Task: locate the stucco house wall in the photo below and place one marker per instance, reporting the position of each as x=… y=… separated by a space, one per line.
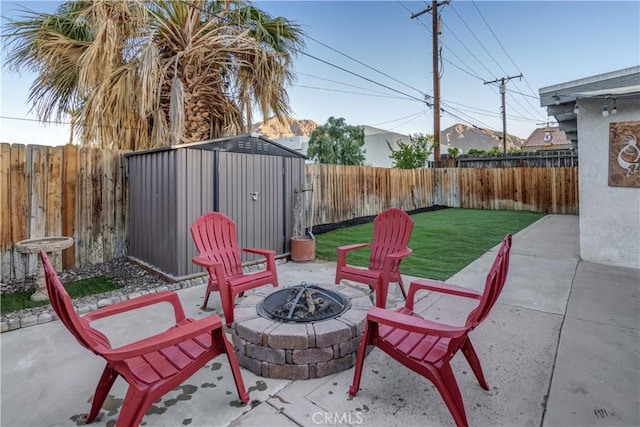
x=609 y=216
x=375 y=143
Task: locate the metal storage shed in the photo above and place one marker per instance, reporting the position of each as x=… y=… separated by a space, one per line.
x=249 y=178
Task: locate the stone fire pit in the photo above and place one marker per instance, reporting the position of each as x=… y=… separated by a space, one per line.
x=273 y=349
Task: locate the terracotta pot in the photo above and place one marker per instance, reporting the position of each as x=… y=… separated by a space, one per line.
x=303 y=249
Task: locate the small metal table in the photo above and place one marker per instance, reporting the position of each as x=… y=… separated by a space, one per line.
x=47 y=244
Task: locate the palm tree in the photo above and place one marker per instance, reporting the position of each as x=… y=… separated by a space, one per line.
x=146 y=74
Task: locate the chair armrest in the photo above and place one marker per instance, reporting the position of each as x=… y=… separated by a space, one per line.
x=203 y=261
x=413 y=323
x=215 y=269
x=396 y=256
x=441 y=287
x=342 y=253
x=139 y=302
x=264 y=252
x=172 y=336
x=390 y=259
x=348 y=248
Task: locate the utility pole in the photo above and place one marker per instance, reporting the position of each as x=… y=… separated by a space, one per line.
x=436 y=77
x=503 y=90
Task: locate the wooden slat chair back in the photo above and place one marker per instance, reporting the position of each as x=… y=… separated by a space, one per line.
x=426 y=347
x=392 y=230
x=152 y=366
x=215 y=237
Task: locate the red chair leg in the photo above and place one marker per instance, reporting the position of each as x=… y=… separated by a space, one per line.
x=206 y=299
x=404 y=292
x=132 y=409
x=227 y=299
x=233 y=362
x=445 y=382
x=382 y=289
x=362 y=350
x=107 y=379
x=470 y=353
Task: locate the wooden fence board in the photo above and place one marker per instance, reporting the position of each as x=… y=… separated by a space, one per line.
x=6 y=240
x=53 y=199
x=18 y=206
x=5 y=216
x=69 y=196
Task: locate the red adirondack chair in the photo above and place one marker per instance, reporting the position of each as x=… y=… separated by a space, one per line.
x=391 y=233
x=215 y=237
x=426 y=347
x=152 y=366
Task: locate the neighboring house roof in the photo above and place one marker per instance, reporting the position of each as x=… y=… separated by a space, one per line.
x=548 y=138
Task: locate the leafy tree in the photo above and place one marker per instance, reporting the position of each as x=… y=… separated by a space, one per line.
x=476 y=152
x=413 y=155
x=138 y=74
x=337 y=143
x=454 y=151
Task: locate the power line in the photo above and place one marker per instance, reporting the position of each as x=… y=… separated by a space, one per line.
x=408 y=121
x=364 y=78
x=355 y=93
x=475 y=75
x=342 y=83
x=398 y=119
x=524 y=108
x=477 y=39
x=368 y=66
x=508 y=56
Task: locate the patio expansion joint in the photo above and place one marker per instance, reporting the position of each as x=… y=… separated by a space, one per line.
x=559 y=337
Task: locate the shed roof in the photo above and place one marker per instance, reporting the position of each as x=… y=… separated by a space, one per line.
x=249 y=143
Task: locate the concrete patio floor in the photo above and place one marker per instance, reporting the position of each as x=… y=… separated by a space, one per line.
x=561 y=348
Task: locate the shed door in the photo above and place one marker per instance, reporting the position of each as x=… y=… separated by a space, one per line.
x=251 y=193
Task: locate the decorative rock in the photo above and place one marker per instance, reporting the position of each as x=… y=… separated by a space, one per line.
x=104 y=302
x=14 y=324
x=28 y=321
x=84 y=308
x=45 y=318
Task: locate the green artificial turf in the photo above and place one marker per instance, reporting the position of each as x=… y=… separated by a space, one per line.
x=78 y=289
x=443 y=241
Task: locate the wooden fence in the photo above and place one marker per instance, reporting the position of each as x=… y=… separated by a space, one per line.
x=69 y=191
x=83 y=193
x=346 y=192
x=551 y=158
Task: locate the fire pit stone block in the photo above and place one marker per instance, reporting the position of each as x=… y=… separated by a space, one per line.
x=288 y=335
x=331 y=332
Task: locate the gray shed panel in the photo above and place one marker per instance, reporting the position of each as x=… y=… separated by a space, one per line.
x=171 y=187
x=152 y=207
x=251 y=193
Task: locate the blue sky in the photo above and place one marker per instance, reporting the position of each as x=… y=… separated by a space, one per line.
x=549 y=42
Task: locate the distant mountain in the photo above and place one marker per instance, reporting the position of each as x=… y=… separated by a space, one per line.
x=273 y=129
x=466 y=137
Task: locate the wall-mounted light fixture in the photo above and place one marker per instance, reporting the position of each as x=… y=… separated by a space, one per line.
x=614 y=109
x=576 y=108
x=556 y=99
x=605 y=110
